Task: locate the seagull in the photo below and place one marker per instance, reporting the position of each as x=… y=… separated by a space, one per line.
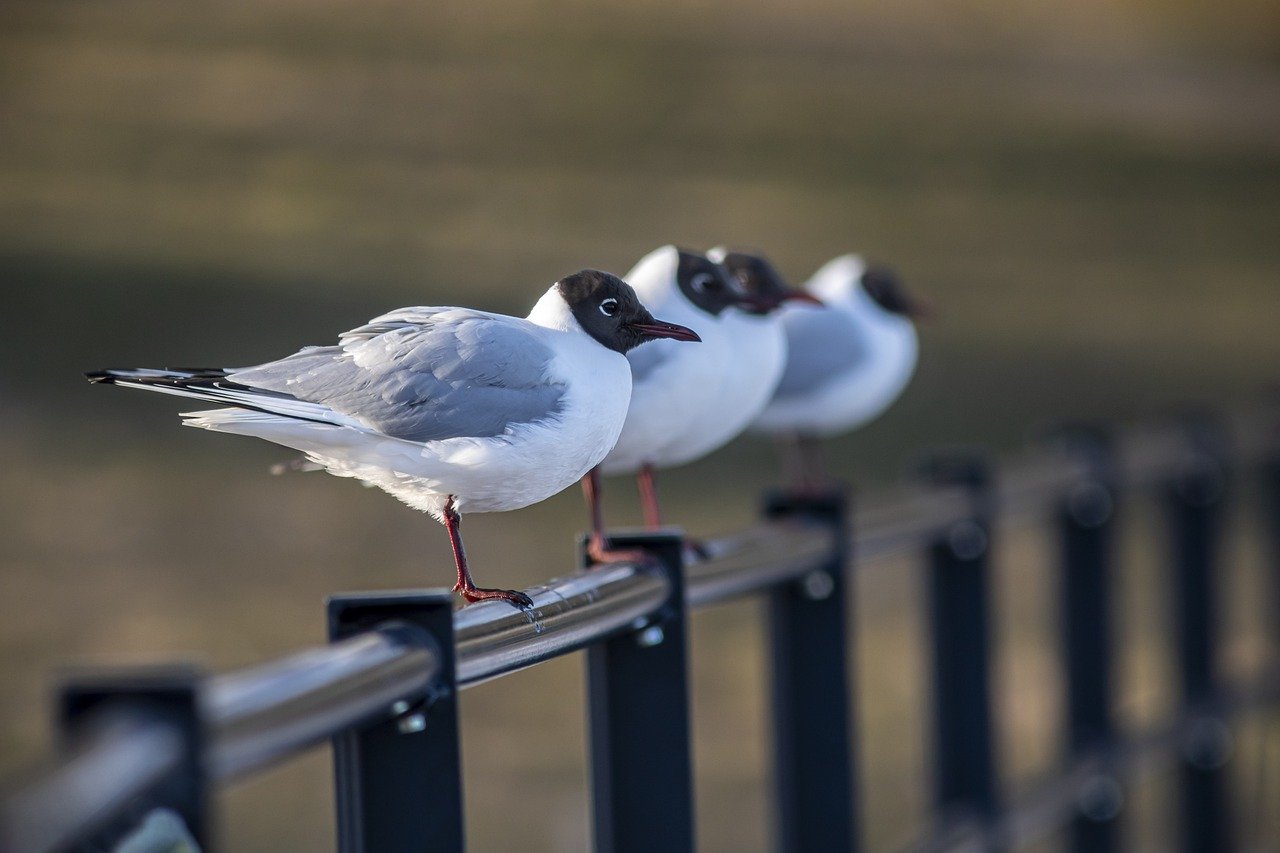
x=672 y=386
x=758 y=354
x=451 y=410
x=847 y=362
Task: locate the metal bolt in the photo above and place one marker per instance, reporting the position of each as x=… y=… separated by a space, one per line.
x=412 y=724
x=1100 y=798
x=1090 y=504
x=818 y=585
x=1208 y=744
x=967 y=540
x=651 y=636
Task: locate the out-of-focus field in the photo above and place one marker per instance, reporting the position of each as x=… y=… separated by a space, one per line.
x=1090 y=192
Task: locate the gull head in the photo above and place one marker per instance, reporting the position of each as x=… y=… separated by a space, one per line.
x=706 y=284
x=885 y=289
x=608 y=310
x=764 y=286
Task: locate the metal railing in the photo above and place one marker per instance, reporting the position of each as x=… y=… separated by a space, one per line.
x=385 y=690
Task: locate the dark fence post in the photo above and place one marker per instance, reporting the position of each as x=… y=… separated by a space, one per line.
x=399 y=782
x=809 y=644
x=1087 y=521
x=1270 y=506
x=168 y=694
x=965 y=774
x=638 y=713
x=1194 y=501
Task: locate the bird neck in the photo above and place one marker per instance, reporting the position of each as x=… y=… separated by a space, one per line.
x=837 y=280
x=552 y=312
x=654 y=277
x=889 y=331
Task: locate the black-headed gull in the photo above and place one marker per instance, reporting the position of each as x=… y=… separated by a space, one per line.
x=757 y=354
x=672 y=386
x=847 y=361
x=451 y=410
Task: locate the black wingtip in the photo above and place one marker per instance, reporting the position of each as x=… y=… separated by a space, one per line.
x=100 y=377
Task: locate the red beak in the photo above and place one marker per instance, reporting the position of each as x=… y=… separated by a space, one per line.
x=659 y=329
x=802 y=296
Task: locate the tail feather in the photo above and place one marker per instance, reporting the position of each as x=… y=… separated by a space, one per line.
x=151 y=375
x=330 y=440
x=212 y=384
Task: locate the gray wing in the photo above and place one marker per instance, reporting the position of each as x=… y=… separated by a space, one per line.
x=821 y=344
x=406 y=318
x=424 y=375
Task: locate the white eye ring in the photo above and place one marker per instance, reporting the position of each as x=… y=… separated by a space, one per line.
x=609 y=307
x=701 y=282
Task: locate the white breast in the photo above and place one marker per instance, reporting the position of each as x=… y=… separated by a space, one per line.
x=666 y=402
x=757 y=357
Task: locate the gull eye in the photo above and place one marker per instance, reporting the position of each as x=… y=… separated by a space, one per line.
x=609 y=307
x=705 y=282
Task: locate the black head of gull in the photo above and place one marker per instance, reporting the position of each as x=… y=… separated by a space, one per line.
x=608 y=310
x=885 y=289
x=706 y=284
x=765 y=287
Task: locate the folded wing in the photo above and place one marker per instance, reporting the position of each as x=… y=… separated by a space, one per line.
x=418 y=374
x=823 y=345
x=425 y=375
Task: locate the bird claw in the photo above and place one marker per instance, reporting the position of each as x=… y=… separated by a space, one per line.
x=600 y=553
x=513 y=597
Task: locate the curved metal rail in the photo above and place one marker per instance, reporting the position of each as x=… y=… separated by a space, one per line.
x=261 y=715
x=258 y=716
x=757 y=559
x=493 y=638
x=117 y=757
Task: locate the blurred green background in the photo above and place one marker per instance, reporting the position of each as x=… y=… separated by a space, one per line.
x=1090 y=192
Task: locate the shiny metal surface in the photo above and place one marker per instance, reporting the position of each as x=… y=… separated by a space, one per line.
x=494 y=638
x=267 y=713
x=756 y=559
x=890 y=529
x=118 y=756
x=258 y=716
x=1045 y=809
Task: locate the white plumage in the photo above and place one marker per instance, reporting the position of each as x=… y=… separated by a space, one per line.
x=451 y=410
x=848 y=360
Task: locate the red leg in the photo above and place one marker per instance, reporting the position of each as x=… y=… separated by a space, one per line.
x=465 y=585
x=597 y=546
x=793 y=473
x=814 y=477
x=591 y=490
x=649 y=497
x=803 y=465
x=648 y=486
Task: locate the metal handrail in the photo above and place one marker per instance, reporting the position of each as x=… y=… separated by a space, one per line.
x=118 y=755
x=258 y=716
x=252 y=719
x=1054 y=803
x=493 y=638
x=261 y=715
x=764 y=556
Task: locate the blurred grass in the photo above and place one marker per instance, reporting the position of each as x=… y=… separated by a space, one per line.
x=1090 y=192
